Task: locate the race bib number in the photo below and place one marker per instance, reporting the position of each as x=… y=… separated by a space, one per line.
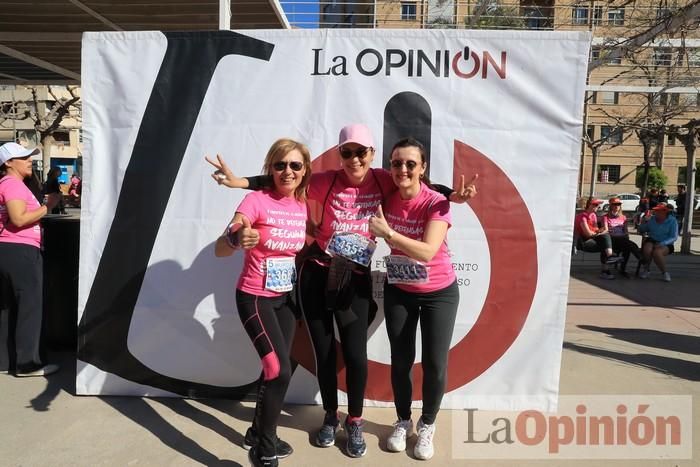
x=280 y=274
x=351 y=246
x=405 y=270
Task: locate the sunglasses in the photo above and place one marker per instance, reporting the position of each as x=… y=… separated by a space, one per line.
x=349 y=153
x=281 y=166
x=410 y=165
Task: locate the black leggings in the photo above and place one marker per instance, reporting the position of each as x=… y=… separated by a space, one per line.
x=352 y=327
x=600 y=242
x=270 y=324
x=21 y=297
x=624 y=246
x=437 y=312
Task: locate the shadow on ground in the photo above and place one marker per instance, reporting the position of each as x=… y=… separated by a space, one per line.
x=665 y=365
x=651 y=338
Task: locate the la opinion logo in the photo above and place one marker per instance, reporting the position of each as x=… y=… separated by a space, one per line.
x=104 y=326
x=464 y=63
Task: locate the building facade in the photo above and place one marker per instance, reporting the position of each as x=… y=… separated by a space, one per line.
x=632 y=97
x=22 y=106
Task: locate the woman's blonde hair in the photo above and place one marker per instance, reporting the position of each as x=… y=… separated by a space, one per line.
x=281 y=148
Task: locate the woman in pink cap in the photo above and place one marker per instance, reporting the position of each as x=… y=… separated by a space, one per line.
x=335 y=282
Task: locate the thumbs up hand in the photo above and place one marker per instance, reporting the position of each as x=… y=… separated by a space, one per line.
x=248 y=237
x=378 y=225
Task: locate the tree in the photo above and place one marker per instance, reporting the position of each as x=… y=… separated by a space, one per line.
x=47 y=114
x=656 y=178
x=492 y=14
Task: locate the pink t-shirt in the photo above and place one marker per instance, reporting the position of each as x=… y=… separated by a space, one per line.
x=348 y=207
x=12 y=189
x=281 y=222
x=589 y=217
x=616 y=225
x=409 y=218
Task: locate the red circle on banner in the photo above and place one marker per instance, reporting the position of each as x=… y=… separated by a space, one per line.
x=510 y=234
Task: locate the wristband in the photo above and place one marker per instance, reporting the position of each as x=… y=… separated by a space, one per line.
x=232 y=235
x=389 y=235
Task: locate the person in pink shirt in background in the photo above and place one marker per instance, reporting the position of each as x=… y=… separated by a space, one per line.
x=264 y=289
x=615 y=223
x=421 y=286
x=21 y=265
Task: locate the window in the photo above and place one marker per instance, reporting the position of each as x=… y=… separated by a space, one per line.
x=693 y=57
x=611 y=134
x=597 y=15
x=675 y=99
x=609 y=173
x=616 y=16
x=61 y=137
x=605 y=55
x=408 y=11
x=579 y=14
x=608 y=97
x=590 y=132
x=535 y=18
x=671 y=140
x=663 y=56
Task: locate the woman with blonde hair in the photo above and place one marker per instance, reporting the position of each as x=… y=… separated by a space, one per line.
x=264 y=289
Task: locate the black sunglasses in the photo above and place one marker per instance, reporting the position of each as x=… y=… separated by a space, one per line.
x=349 y=153
x=281 y=166
x=410 y=165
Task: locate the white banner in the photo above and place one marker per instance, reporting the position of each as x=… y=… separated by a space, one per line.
x=157 y=311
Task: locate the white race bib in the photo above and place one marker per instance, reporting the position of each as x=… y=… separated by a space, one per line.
x=404 y=270
x=351 y=246
x=280 y=274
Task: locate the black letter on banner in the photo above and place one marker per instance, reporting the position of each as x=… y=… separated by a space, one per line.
x=406 y=114
x=173 y=107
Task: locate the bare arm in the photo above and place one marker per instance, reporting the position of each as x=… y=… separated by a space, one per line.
x=421 y=250
x=21 y=217
x=248 y=237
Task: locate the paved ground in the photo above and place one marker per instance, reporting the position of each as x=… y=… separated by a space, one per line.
x=626 y=336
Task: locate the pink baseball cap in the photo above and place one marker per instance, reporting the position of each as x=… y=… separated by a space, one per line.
x=356 y=133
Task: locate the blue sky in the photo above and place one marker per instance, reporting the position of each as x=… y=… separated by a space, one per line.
x=301 y=13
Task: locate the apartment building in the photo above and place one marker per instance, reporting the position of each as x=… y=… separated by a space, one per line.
x=656 y=85
x=18 y=109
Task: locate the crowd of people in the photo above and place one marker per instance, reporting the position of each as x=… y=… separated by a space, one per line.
x=609 y=234
x=329 y=281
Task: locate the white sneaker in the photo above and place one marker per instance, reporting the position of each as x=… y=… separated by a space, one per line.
x=667 y=277
x=424 y=446
x=644 y=275
x=397 y=440
x=43 y=371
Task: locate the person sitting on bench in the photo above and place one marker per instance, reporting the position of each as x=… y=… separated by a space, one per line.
x=615 y=223
x=662 y=231
x=590 y=237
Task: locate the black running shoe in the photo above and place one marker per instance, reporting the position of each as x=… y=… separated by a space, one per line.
x=257 y=460
x=326 y=435
x=356 y=446
x=284 y=449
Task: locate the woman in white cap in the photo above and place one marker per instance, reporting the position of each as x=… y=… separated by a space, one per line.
x=21 y=264
x=338 y=286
